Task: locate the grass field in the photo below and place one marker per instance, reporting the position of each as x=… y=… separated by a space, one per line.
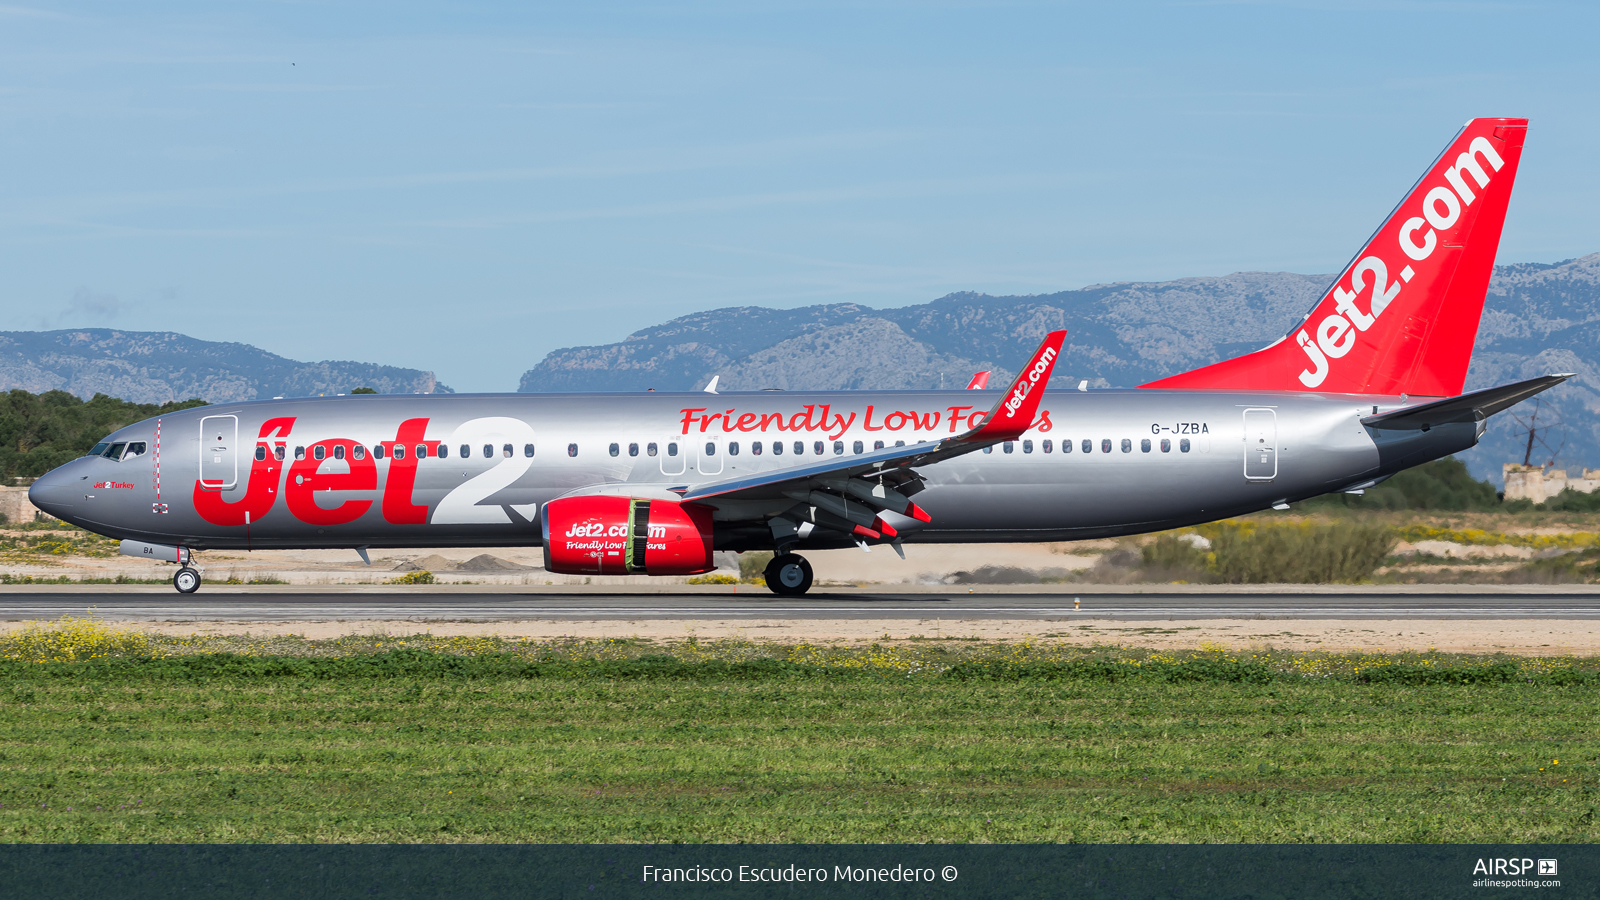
x=143 y=743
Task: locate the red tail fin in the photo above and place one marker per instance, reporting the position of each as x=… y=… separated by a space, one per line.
x=1402 y=317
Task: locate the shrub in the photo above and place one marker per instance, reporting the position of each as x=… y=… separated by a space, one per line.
x=71 y=638
x=1570 y=500
x=1567 y=568
x=1298 y=553
x=1443 y=484
x=753 y=566
x=1170 y=557
x=713 y=579
x=420 y=577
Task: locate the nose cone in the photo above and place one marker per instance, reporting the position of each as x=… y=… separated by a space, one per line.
x=53 y=492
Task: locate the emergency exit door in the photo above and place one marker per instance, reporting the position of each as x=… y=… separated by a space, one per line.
x=219 y=452
x=1260 y=444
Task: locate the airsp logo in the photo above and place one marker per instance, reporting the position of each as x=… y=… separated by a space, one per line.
x=1512 y=867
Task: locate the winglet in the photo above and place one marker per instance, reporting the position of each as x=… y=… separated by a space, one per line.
x=980 y=380
x=1017 y=407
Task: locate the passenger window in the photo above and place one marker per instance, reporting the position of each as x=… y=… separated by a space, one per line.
x=527 y=450
x=989 y=449
x=838 y=448
x=488 y=451
x=755 y=448
x=1088 y=445
x=733 y=448
x=1183 y=446
x=115 y=451
x=1027 y=446
x=633 y=449
x=1144 y=446
x=1046 y=448
x=858 y=447
x=1008 y=448
x=650 y=449
x=399 y=451
x=572 y=449
x=134 y=449
x=799 y=448
x=899 y=443
x=359 y=451
x=877 y=445
x=1105 y=446
x=378 y=451
x=672 y=448
x=1166 y=445
x=261 y=453
x=299 y=453
x=1127 y=446
x=422 y=451
x=338 y=451
x=505 y=451
x=816 y=447
x=443 y=451
x=277 y=452
x=614 y=450
x=319 y=452
x=466 y=452
x=711 y=448
x=777 y=448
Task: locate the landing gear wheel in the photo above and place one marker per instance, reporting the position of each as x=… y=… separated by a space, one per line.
x=789 y=575
x=187 y=581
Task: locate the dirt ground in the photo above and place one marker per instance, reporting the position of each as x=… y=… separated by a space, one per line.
x=1530 y=637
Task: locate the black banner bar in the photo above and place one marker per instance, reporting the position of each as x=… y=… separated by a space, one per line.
x=761 y=871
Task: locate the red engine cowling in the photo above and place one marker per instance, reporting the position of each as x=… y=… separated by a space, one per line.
x=625 y=536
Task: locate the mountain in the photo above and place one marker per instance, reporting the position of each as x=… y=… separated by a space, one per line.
x=157 y=367
x=1537 y=319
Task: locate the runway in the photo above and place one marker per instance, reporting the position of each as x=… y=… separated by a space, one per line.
x=380 y=604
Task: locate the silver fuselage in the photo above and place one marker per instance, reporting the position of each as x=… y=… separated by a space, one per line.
x=1244 y=452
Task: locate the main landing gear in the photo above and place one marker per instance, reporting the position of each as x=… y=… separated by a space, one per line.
x=187 y=581
x=788 y=575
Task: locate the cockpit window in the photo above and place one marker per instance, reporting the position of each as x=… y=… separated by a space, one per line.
x=115 y=451
x=136 y=448
x=99 y=449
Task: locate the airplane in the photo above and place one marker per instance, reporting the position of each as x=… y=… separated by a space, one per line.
x=1369 y=384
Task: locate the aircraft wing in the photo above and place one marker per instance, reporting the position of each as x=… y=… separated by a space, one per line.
x=847 y=493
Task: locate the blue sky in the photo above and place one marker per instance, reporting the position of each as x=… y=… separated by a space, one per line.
x=464 y=186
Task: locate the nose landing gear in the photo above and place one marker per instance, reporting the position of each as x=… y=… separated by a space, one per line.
x=788 y=575
x=187 y=581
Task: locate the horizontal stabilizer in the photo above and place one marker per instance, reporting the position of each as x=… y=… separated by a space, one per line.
x=1465 y=408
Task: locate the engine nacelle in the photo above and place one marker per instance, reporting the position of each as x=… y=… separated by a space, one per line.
x=624 y=536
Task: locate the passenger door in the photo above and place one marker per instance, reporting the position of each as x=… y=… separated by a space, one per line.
x=219 y=452
x=1260 y=444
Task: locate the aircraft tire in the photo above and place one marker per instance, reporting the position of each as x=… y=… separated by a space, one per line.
x=788 y=575
x=187 y=581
